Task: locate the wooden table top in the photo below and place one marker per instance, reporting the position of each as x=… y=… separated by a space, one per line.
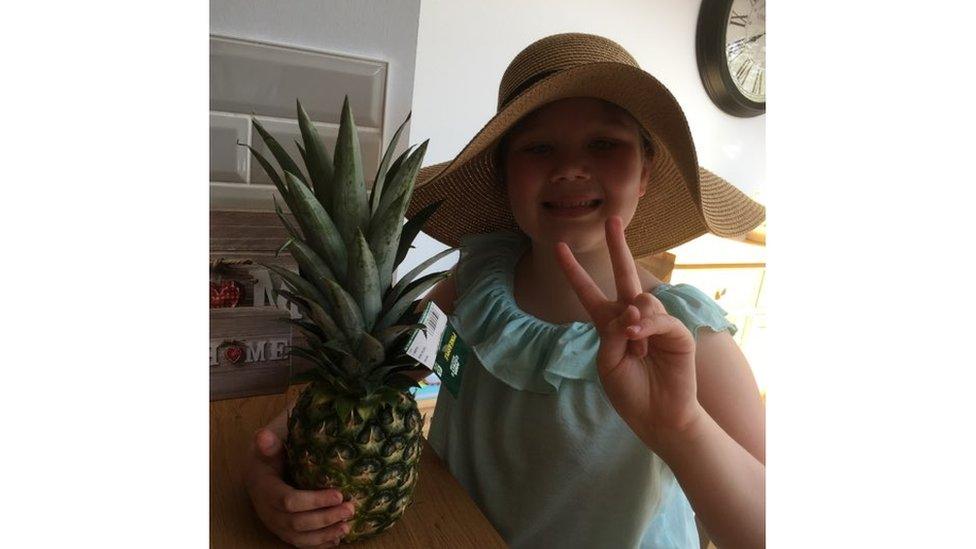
x=441 y=515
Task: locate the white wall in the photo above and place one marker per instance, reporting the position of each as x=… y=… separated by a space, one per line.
x=464 y=46
x=377 y=29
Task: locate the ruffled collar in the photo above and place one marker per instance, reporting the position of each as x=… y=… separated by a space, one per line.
x=519 y=349
x=507 y=280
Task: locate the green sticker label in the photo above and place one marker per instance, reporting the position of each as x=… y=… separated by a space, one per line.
x=441 y=349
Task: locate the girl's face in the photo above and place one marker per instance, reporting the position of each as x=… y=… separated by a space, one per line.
x=574 y=151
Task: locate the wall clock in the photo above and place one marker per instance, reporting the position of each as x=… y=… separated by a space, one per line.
x=731 y=49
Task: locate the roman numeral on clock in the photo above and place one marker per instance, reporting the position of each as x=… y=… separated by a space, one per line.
x=743 y=71
x=758 y=84
x=738 y=20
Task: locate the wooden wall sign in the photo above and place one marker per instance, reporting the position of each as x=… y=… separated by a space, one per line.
x=238 y=353
x=249 y=351
x=249 y=332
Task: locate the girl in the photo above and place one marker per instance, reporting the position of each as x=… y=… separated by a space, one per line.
x=604 y=408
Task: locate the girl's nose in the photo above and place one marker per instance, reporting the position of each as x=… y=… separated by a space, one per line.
x=569 y=168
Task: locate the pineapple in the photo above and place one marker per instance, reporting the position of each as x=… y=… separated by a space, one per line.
x=356 y=426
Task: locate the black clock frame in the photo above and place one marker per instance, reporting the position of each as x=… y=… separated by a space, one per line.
x=712 y=64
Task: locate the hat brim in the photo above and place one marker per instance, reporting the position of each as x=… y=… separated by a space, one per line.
x=683 y=201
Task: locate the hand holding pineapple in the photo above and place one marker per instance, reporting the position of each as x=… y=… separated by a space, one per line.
x=303 y=518
x=646 y=360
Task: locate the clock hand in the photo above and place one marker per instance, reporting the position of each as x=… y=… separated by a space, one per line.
x=756 y=37
x=744 y=41
x=739 y=44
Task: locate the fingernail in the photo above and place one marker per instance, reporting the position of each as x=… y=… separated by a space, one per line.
x=346 y=528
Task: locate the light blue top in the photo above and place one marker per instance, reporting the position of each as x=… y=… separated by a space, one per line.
x=531 y=435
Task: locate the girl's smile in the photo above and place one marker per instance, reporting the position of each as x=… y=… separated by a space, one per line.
x=572 y=206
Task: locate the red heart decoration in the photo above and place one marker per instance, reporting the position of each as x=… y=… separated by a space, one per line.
x=234 y=354
x=225 y=294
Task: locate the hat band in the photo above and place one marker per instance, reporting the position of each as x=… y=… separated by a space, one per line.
x=524 y=86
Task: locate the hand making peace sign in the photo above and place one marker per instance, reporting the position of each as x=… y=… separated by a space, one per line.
x=646 y=360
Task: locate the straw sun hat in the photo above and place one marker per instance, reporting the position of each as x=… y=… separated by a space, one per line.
x=683 y=201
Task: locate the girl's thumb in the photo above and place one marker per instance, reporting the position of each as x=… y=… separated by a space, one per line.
x=267 y=443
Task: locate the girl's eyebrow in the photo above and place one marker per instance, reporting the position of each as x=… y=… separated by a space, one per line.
x=608 y=122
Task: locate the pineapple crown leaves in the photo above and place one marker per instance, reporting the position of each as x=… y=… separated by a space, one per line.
x=347 y=243
x=411 y=229
x=371 y=352
x=387 y=225
x=292 y=231
x=349 y=190
x=317 y=225
x=390 y=185
x=389 y=335
x=317 y=161
x=390 y=175
x=402 y=179
x=276 y=282
x=272 y=173
x=315 y=305
x=410 y=293
x=381 y=173
x=282 y=247
x=327 y=329
x=364 y=280
x=310 y=263
x=302 y=287
x=395 y=379
x=349 y=317
x=323 y=368
x=282 y=156
x=312 y=332
x=316 y=157
x=321 y=362
x=401 y=285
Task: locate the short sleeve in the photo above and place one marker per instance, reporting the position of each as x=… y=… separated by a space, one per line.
x=693 y=308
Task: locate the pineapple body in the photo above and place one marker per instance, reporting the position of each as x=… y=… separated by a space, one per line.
x=371 y=455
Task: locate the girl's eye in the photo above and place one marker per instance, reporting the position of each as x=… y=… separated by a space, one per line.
x=537 y=149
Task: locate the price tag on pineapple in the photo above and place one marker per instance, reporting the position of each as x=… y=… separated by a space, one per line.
x=441 y=349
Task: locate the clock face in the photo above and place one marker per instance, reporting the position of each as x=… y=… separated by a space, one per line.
x=745 y=48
